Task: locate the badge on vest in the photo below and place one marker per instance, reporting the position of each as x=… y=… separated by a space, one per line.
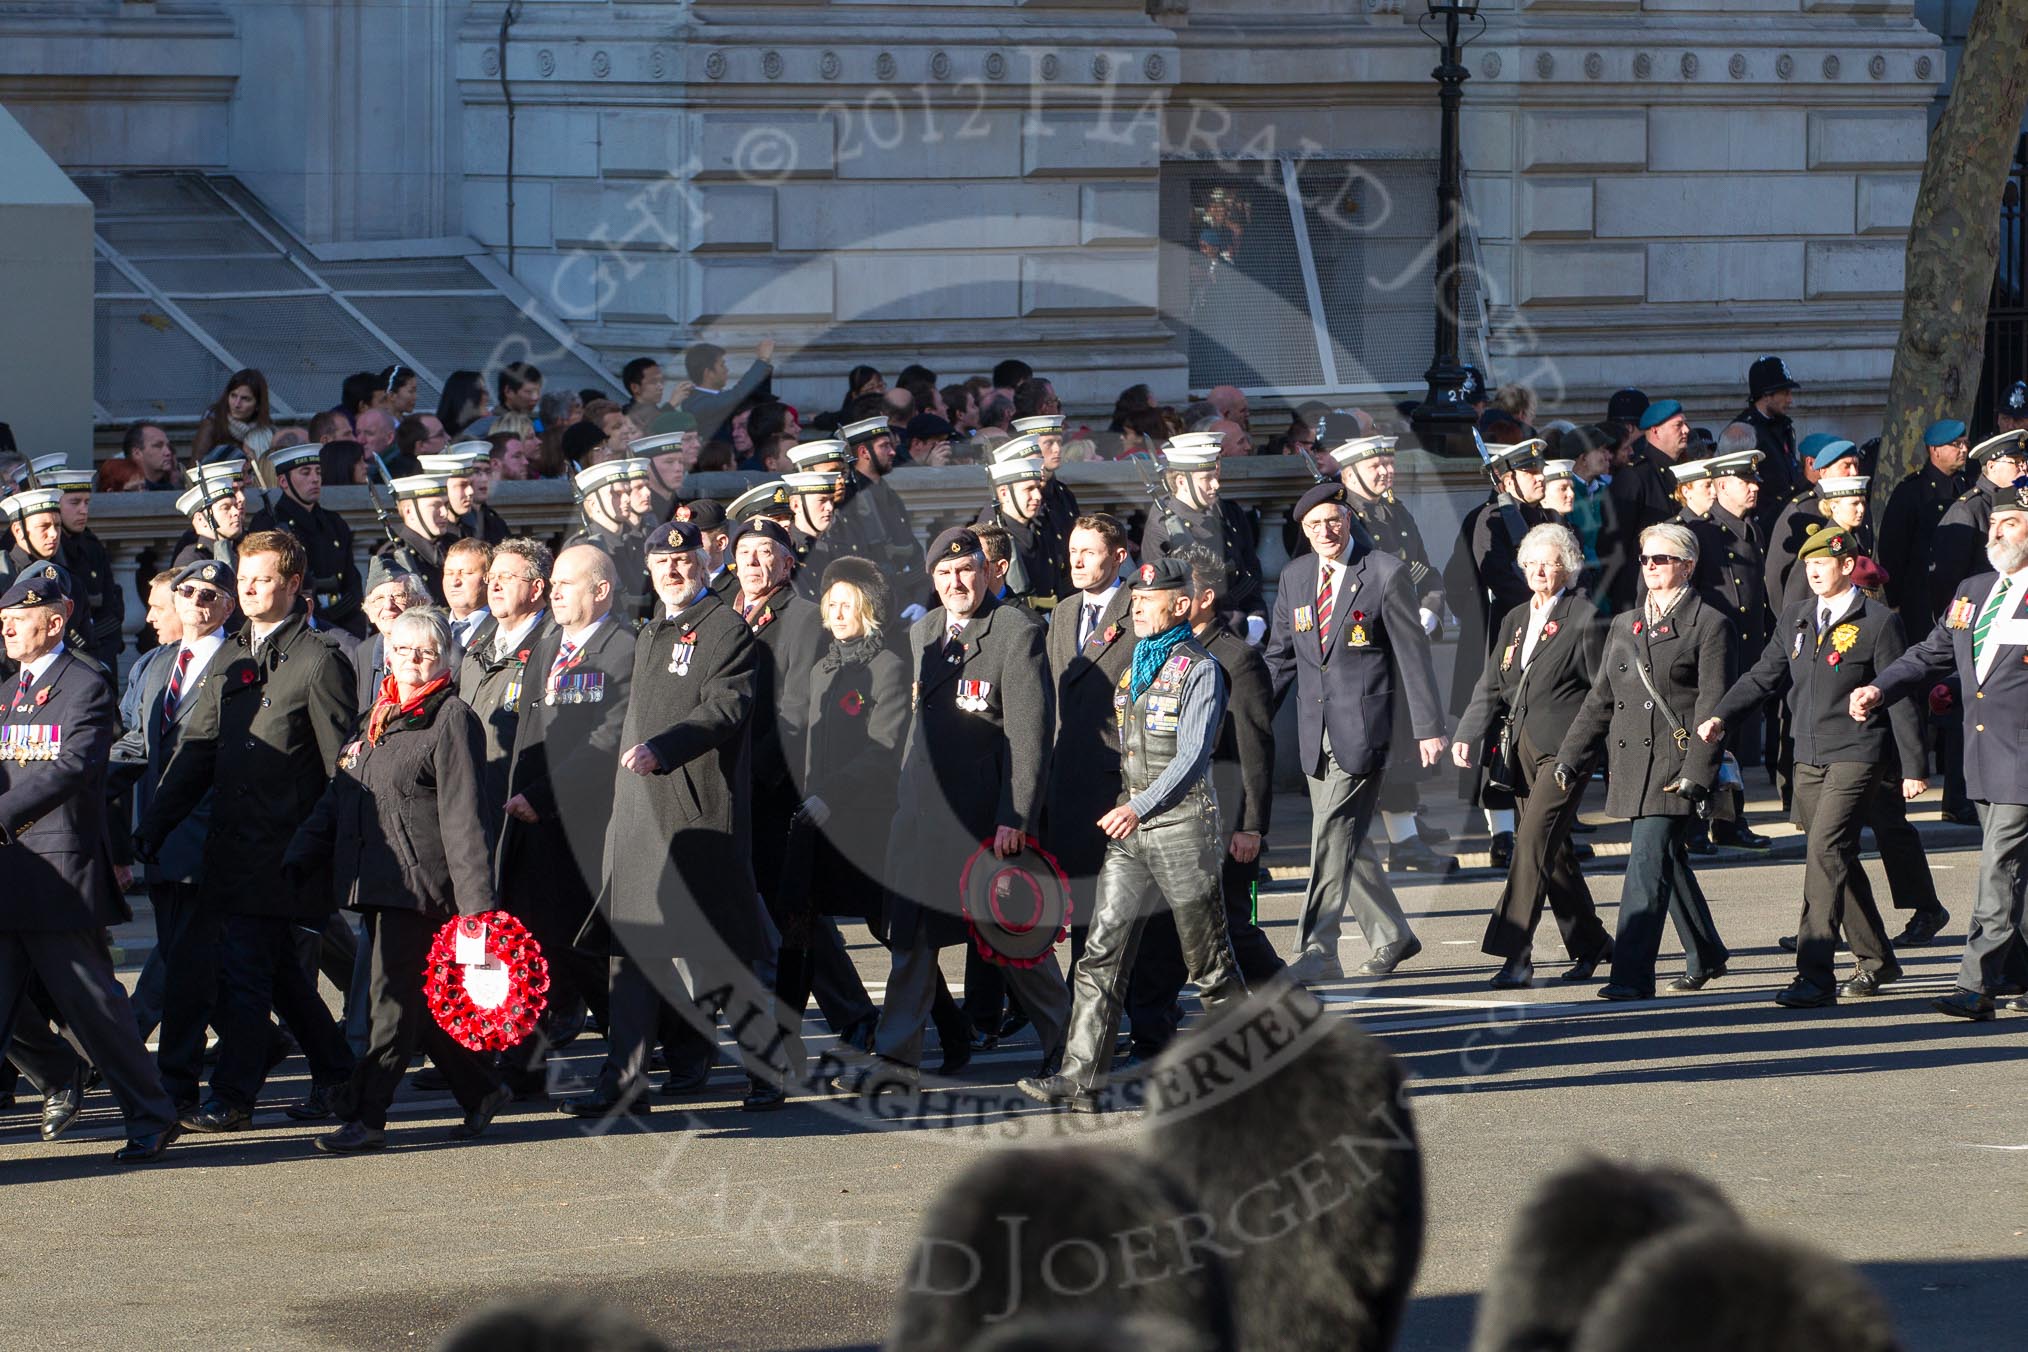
x=1162 y=712
x=31 y=742
x=972 y=696
x=582 y=687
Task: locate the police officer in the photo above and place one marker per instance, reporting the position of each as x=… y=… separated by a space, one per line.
x=1959 y=548
x=1770 y=391
x=57 y=727
x=1483 y=580
x=1018 y=482
x=1366 y=467
x=610 y=523
x=2012 y=414
x=334 y=579
x=1831 y=642
x=1189 y=510
x=1164 y=844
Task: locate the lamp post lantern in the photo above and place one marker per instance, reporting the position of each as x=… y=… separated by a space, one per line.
x=1443 y=421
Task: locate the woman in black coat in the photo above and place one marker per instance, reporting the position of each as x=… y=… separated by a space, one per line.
x=403 y=832
x=1547 y=657
x=857 y=717
x=1661 y=773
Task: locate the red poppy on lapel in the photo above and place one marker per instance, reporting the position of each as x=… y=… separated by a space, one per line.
x=1637 y=626
x=853 y=704
x=1549 y=630
x=41 y=697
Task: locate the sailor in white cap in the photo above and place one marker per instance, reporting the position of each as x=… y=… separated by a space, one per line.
x=97 y=607
x=612 y=523
x=813 y=518
x=333 y=579
x=426 y=530
x=1690 y=484
x=1483 y=581
x=1190 y=511
x=873 y=523
x=1059 y=504
x=466 y=466
x=215 y=504
x=1032 y=577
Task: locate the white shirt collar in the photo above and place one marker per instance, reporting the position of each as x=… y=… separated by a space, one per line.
x=1843 y=604
x=41 y=665
x=1102 y=598
x=507 y=640
x=578 y=638
x=201 y=650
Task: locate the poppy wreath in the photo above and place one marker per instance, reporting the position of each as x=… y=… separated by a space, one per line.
x=456 y=1006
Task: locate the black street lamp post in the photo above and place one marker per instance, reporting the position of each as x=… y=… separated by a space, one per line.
x=1444 y=420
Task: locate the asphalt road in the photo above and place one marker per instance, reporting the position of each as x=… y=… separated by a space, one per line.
x=1886 y=1133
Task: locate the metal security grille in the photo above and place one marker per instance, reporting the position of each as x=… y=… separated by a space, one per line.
x=195 y=280
x=1307 y=277
x=2007 y=312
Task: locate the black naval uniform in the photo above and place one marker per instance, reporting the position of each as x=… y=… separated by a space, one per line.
x=1908 y=531
x=97 y=595
x=633 y=600
x=1059 y=514
x=483 y=523
x=1032 y=577
x=1228 y=534
x=56 y=733
x=1166 y=733
x=422 y=557
x=333 y=577
x=1838 y=769
x=872 y=523
x=1731 y=579
x=1781 y=473
x=77 y=633
x=1536 y=693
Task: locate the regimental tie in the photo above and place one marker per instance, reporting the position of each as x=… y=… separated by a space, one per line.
x=1088 y=623
x=1324 y=609
x=566 y=654
x=1984 y=625
x=21 y=692
x=954 y=647
x=173 y=696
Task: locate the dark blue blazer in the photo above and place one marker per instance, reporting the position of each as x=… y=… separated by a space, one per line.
x=143 y=750
x=1996 y=739
x=56 y=869
x=1377 y=648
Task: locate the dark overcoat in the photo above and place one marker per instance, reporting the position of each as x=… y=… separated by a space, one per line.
x=56 y=870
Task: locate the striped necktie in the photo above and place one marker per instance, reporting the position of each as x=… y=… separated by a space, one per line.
x=1986 y=618
x=21 y=694
x=1324 y=609
x=173 y=696
x=566 y=654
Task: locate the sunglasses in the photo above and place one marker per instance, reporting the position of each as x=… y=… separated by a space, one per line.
x=204 y=596
x=1657 y=560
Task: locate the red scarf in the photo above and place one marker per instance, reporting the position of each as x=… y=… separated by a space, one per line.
x=389 y=705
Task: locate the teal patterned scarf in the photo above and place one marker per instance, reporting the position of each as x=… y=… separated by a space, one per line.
x=1150 y=654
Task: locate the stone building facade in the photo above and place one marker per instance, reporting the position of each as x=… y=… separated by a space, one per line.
x=1176 y=192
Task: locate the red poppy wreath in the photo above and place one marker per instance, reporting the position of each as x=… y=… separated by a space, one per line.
x=489 y=1006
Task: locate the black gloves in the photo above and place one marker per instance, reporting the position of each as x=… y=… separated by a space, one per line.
x=1565 y=776
x=1692 y=793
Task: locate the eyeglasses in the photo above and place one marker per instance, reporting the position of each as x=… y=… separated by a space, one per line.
x=415 y=654
x=512 y=577
x=204 y=596
x=1657 y=560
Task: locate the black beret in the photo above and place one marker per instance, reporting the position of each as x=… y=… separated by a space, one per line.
x=929 y=427
x=767 y=528
x=673 y=537
x=705 y=513
x=954 y=543
x=41 y=584
x=1329 y=491
x=1167 y=574
x=210 y=572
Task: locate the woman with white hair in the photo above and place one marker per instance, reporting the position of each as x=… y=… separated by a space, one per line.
x=403 y=834
x=1662 y=672
x=1548 y=658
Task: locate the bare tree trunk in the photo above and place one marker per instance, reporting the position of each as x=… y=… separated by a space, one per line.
x=1954 y=240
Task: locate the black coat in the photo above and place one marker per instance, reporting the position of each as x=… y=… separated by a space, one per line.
x=98 y=596
x=1689 y=652
x=1482 y=580
x=1819 y=672
x=632 y=598
x=1084 y=763
x=421 y=556
x=402 y=827
x=1392 y=529
x=1790 y=532
x=491 y=685
x=1033 y=575
x=264 y=739
x=56 y=871
x=791 y=634
x=1229 y=534
x=1731 y=579
x=1958 y=550
x=1908 y=529
x=965 y=771
x=1641 y=492
x=856 y=718
x=566 y=751
x=1543 y=695
x=1781 y=472
x=1243 y=761
x=679 y=851
x=327 y=539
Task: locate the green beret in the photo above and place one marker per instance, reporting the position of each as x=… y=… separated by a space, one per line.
x=1830 y=542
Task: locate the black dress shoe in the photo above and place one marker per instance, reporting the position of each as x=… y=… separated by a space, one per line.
x=430 y=1079
x=602 y=1103
x=1058 y=1092
x=956 y=1058
x=1699 y=844
x=1581 y=850
x=1518 y=973
x=1617 y=991
x=1740 y=836
x=1412 y=856
x=1922 y=927
x=876 y=1076
x=481 y=1117
x=1964 y=1004
x=1009 y=1026
x=1387 y=957
x=1428 y=832
x=860 y=1035
x=1686 y=982
x=983 y=1042
x=1963 y=816
x=1584 y=968
x=316 y=1105
x=680 y=1086
x=146 y=1149
x=1863 y=983
x=1503 y=849
x=353 y=1138
x=218 y=1116
x=763 y=1097
x=61 y=1108
x=1802 y=994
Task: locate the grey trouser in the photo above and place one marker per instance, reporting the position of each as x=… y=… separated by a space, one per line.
x=1996 y=948
x=1831 y=804
x=1342 y=870
x=912 y=985
x=1177 y=861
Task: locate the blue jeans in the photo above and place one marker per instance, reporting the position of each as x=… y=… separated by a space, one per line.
x=1658 y=882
